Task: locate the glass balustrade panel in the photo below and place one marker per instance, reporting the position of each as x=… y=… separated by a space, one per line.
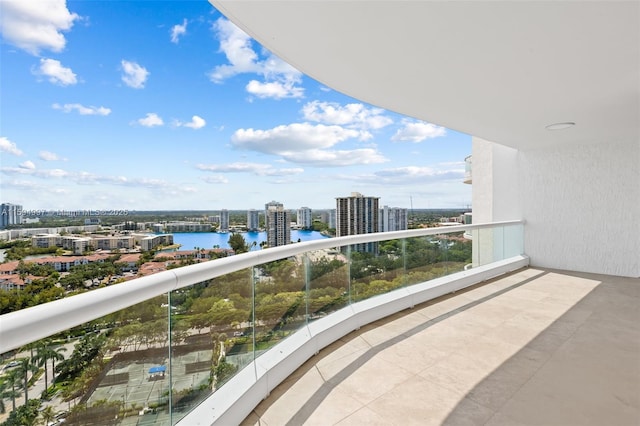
x=280 y=300
x=513 y=240
x=211 y=337
x=376 y=268
x=328 y=277
x=114 y=367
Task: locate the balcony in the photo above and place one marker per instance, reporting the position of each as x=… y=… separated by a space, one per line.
x=535 y=347
x=424 y=341
x=225 y=333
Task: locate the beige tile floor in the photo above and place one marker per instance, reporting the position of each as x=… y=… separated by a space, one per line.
x=536 y=347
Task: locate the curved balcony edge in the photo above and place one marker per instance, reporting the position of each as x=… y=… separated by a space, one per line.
x=31 y=324
x=255 y=382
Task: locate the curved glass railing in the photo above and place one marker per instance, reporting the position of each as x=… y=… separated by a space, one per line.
x=150 y=350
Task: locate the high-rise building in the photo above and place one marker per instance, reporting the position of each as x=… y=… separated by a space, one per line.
x=305 y=218
x=253 y=220
x=10 y=214
x=392 y=219
x=224 y=220
x=278 y=225
x=329 y=217
x=356 y=215
x=266 y=211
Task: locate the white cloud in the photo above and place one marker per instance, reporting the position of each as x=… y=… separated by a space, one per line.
x=22 y=185
x=7 y=146
x=27 y=165
x=352 y=115
x=56 y=73
x=134 y=75
x=195 y=123
x=36 y=25
x=45 y=173
x=410 y=175
x=236 y=45
x=150 y=120
x=83 y=110
x=291 y=137
x=274 y=89
x=280 y=77
x=306 y=143
x=336 y=158
x=49 y=156
x=253 y=168
x=215 y=179
x=178 y=30
x=417 y=131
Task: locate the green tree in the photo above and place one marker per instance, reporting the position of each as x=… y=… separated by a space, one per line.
x=10 y=388
x=44 y=353
x=238 y=243
x=47 y=415
x=25 y=415
x=27 y=366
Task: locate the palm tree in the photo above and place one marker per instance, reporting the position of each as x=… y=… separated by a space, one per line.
x=26 y=367
x=48 y=414
x=45 y=352
x=10 y=388
x=57 y=357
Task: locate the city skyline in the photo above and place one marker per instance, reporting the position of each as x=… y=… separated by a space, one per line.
x=181 y=110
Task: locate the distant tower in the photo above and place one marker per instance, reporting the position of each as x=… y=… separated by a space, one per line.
x=278 y=226
x=305 y=218
x=329 y=217
x=224 y=220
x=266 y=211
x=356 y=215
x=392 y=219
x=10 y=214
x=253 y=220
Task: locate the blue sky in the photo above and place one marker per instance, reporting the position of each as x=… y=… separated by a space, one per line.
x=167 y=105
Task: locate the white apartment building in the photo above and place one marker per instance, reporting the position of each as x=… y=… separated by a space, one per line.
x=186 y=227
x=149 y=242
x=114 y=242
x=304 y=218
x=224 y=220
x=253 y=220
x=392 y=219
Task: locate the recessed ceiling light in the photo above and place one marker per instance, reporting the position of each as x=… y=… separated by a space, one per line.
x=560 y=126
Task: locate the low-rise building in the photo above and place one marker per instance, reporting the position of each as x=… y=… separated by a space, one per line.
x=149 y=242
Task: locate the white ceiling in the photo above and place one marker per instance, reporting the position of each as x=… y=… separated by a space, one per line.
x=500 y=70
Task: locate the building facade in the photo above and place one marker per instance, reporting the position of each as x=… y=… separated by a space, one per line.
x=305 y=218
x=253 y=220
x=224 y=220
x=392 y=219
x=356 y=215
x=278 y=226
x=329 y=217
x=10 y=214
x=267 y=206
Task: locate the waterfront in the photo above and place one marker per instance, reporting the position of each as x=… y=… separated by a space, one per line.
x=207 y=240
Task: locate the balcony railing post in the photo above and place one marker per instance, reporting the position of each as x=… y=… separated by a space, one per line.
x=349 y=264
x=307 y=286
x=253 y=312
x=405 y=278
x=170 y=358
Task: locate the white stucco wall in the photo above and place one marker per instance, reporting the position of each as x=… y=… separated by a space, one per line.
x=581 y=204
x=582 y=207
